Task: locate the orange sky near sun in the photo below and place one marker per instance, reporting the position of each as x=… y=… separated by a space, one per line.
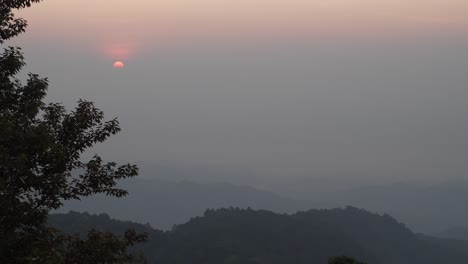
x=123 y=25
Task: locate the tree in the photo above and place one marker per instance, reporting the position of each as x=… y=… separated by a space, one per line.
x=344 y=260
x=9 y=25
x=40 y=161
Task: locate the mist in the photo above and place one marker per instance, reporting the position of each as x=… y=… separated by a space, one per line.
x=380 y=110
x=260 y=131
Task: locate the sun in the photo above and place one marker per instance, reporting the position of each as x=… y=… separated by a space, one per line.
x=119 y=65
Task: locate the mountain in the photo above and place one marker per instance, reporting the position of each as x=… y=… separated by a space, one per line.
x=429 y=207
x=166 y=203
x=460 y=233
x=81 y=223
x=244 y=236
x=75 y=222
x=426 y=208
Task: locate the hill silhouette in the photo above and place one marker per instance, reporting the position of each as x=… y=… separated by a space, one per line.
x=245 y=236
x=166 y=203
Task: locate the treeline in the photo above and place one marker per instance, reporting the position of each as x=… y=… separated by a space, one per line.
x=246 y=236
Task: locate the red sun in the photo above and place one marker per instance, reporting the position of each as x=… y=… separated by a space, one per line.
x=119 y=65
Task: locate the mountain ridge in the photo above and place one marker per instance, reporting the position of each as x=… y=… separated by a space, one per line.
x=244 y=236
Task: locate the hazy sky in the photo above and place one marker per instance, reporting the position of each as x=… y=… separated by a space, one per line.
x=319 y=88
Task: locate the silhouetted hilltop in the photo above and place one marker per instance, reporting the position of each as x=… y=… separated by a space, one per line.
x=75 y=222
x=165 y=203
x=248 y=236
x=243 y=236
x=424 y=208
x=82 y=223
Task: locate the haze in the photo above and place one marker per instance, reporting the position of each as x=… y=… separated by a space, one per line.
x=355 y=90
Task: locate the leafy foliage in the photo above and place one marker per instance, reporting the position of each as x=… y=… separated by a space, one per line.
x=40 y=162
x=11 y=26
x=101 y=247
x=79 y=224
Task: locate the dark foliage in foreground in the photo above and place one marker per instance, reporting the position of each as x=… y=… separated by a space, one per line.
x=41 y=166
x=343 y=260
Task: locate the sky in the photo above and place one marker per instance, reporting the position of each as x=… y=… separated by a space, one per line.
x=354 y=89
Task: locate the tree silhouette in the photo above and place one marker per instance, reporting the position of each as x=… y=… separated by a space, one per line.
x=344 y=260
x=40 y=162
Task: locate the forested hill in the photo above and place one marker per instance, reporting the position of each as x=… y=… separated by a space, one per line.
x=74 y=222
x=243 y=236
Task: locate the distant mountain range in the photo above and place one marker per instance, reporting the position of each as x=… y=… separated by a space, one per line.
x=425 y=208
x=164 y=203
x=429 y=209
x=246 y=236
x=459 y=233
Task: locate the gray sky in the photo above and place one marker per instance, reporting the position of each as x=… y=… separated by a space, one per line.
x=387 y=108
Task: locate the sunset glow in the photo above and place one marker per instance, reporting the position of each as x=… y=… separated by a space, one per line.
x=273 y=109
x=119 y=51
x=122 y=28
